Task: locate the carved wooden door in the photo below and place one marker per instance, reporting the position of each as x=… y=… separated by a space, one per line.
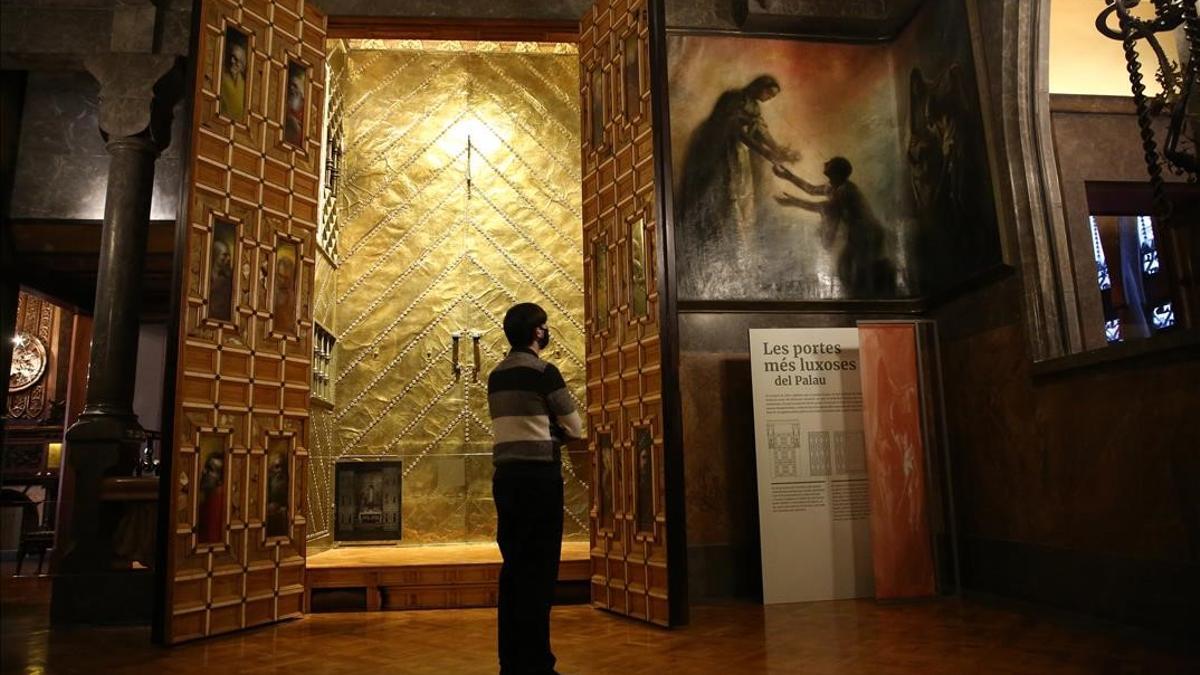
x=238 y=459
x=636 y=513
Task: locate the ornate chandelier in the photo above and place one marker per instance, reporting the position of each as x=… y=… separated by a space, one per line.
x=1180 y=96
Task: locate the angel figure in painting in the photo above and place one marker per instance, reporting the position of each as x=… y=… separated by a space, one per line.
x=862 y=267
x=717 y=209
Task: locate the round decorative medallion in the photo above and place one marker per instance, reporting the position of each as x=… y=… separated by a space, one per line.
x=28 y=362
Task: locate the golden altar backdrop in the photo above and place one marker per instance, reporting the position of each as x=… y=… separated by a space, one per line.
x=458 y=195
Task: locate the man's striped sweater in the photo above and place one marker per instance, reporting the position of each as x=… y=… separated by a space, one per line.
x=532 y=411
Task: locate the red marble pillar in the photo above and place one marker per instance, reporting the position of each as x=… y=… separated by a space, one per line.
x=900 y=533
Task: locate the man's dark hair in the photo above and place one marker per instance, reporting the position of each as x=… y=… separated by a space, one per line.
x=840 y=167
x=761 y=84
x=520 y=322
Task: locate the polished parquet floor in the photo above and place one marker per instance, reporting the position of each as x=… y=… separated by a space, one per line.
x=945 y=636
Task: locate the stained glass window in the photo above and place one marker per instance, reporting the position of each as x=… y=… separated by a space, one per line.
x=1102 y=276
x=1112 y=330
x=1163 y=316
x=1146 y=245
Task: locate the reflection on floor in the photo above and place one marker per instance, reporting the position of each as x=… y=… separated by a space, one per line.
x=423 y=577
x=828 y=637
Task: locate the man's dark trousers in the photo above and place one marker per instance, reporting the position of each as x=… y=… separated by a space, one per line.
x=529 y=510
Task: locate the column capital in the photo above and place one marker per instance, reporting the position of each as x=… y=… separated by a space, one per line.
x=137 y=93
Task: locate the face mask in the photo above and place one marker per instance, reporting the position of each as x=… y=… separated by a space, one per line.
x=544 y=339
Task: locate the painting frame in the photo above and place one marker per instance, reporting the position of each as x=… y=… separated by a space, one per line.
x=632 y=76
x=352 y=492
x=283 y=514
x=602 y=286
x=606 y=472
x=210 y=513
x=646 y=488
x=597 y=108
x=639 y=269
x=294 y=127
x=287 y=254
x=234 y=38
x=914 y=301
x=222 y=255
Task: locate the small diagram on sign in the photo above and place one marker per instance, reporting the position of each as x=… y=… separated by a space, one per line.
x=784 y=441
x=818 y=453
x=849 y=454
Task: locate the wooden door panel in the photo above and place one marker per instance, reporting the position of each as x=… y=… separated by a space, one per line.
x=239 y=457
x=629 y=522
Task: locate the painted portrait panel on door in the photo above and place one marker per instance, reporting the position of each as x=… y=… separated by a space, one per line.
x=638 y=290
x=600 y=306
x=222 y=261
x=631 y=76
x=294 y=103
x=278 y=524
x=284 y=300
x=643 y=448
x=596 y=92
x=234 y=67
x=210 y=493
x=605 y=484
x=819 y=171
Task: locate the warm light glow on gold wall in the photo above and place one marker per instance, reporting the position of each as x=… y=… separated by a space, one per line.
x=1082 y=61
x=460 y=194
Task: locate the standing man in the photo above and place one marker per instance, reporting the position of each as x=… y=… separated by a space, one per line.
x=532 y=415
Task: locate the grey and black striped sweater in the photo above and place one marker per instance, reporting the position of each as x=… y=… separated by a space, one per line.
x=532 y=411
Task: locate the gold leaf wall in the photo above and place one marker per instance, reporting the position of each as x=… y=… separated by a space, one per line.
x=459 y=195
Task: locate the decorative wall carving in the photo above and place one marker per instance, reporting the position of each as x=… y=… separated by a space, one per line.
x=32 y=380
x=28 y=362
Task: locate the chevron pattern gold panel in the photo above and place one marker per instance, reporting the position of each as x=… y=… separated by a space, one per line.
x=459 y=196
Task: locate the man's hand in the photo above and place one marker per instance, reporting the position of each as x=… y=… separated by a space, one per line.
x=789 y=199
x=783 y=172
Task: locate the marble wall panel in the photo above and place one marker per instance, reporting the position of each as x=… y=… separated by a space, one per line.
x=62 y=166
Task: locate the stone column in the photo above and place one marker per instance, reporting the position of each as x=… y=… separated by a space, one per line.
x=137 y=93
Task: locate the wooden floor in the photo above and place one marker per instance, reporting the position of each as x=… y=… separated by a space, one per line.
x=830 y=637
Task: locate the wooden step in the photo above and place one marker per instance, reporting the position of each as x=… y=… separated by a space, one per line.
x=426 y=577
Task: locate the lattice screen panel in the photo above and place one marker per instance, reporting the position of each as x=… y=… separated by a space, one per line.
x=624 y=360
x=239 y=458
